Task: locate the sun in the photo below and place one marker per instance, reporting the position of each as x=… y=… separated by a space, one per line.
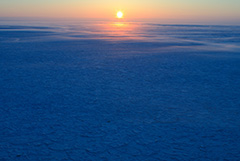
x=119 y=14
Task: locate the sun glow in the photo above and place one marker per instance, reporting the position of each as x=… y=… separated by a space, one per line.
x=119 y=14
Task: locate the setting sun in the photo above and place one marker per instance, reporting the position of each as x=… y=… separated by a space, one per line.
x=119 y=14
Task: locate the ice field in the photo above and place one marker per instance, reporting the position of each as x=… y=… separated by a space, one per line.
x=119 y=91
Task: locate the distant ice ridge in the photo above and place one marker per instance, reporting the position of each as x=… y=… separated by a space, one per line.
x=200 y=36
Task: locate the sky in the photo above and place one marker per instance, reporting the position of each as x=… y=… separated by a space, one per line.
x=191 y=10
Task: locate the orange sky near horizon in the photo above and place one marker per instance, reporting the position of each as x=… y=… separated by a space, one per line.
x=106 y=9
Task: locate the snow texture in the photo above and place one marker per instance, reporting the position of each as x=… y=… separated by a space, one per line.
x=119 y=91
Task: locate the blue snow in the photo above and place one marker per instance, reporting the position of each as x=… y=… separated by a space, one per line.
x=97 y=91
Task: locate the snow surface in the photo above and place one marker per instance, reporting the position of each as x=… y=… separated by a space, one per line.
x=119 y=91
